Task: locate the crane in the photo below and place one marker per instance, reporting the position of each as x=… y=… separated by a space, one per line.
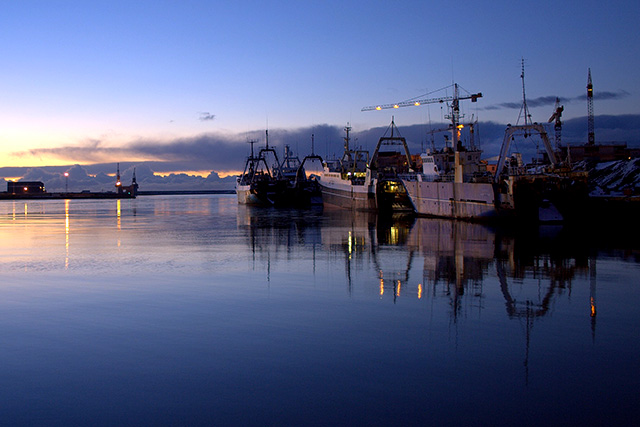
x=455 y=107
x=557 y=116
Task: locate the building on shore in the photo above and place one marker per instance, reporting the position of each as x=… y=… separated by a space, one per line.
x=25 y=187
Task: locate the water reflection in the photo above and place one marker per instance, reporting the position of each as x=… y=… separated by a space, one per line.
x=532 y=267
x=198 y=297
x=435 y=261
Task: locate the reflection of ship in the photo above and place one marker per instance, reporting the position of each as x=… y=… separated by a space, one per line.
x=357 y=184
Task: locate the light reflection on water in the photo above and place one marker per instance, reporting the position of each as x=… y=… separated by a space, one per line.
x=192 y=309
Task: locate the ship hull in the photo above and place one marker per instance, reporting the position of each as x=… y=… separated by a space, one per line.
x=453 y=200
x=347 y=196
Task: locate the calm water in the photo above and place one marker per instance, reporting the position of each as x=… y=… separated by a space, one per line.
x=194 y=310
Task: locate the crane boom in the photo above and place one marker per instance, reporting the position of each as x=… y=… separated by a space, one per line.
x=417 y=102
x=455 y=107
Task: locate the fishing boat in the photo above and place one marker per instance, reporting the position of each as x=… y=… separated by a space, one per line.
x=265 y=181
x=387 y=166
x=346 y=182
x=301 y=191
x=261 y=183
x=356 y=182
x=305 y=189
x=455 y=182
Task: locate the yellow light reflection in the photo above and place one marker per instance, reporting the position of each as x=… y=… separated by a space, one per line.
x=119 y=222
x=593 y=307
x=381 y=286
x=419 y=290
x=394 y=237
x=350 y=243
x=118 y=212
x=398 y=289
x=25 y=209
x=66 y=233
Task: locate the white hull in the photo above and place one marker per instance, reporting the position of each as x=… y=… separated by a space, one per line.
x=468 y=200
x=341 y=193
x=245 y=196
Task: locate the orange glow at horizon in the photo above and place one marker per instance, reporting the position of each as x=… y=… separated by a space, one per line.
x=202 y=173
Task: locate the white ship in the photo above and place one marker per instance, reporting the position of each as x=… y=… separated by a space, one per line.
x=465 y=192
x=357 y=183
x=347 y=182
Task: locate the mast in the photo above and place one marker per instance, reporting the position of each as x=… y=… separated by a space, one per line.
x=347 y=129
x=524 y=110
x=455 y=117
x=592 y=138
x=347 y=152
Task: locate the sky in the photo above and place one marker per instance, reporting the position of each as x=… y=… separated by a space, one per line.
x=181 y=82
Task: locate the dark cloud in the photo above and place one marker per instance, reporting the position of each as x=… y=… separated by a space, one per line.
x=208 y=151
x=549 y=100
x=206 y=116
x=608 y=95
x=226 y=153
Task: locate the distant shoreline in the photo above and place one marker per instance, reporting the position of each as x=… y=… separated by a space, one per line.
x=104 y=195
x=178 y=192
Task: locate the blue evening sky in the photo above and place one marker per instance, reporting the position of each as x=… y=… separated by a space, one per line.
x=115 y=72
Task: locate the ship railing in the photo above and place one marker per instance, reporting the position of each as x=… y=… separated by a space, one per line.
x=414 y=177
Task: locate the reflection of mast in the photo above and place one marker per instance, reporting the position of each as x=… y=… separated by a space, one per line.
x=592 y=296
x=529 y=312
